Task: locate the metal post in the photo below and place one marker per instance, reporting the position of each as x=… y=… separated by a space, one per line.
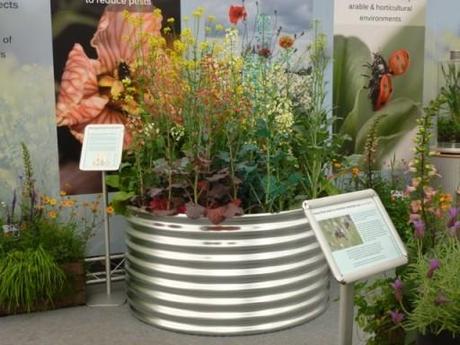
x=108 y=272
x=346 y=314
x=108 y=299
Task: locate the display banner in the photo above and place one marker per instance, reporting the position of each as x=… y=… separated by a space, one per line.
x=378 y=72
x=94 y=46
x=26 y=96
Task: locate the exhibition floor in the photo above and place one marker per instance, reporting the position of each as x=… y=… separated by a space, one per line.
x=116 y=325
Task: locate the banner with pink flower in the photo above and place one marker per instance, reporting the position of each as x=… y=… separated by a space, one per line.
x=95 y=48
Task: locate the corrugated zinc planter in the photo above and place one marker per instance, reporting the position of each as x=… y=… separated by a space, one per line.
x=252 y=274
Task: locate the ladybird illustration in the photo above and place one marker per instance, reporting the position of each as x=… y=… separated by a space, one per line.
x=399 y=62
x=380 y=84
x=385 y=90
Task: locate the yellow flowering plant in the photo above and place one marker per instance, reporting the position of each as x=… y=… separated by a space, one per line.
x=60 y=225
x=225 y=122
x=39 y=234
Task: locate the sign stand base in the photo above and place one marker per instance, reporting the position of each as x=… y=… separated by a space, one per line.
x=346 y=318
x=109 y=299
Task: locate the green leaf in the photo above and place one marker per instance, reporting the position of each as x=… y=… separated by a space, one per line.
x=350 y=56
x=113 y=181
x=123 y=196
x=401 y=115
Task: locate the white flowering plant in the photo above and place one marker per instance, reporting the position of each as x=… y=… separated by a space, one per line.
x=219 y=128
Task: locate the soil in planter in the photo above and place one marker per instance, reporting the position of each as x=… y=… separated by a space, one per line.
x=73 y=293
x=444 y=338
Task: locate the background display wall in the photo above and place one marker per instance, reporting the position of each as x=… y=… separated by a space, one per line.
x=29 y=80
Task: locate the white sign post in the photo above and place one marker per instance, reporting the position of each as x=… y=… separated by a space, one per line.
x=101 y=151
x=358 y=240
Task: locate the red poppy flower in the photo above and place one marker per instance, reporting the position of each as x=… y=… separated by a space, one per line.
x=237 y=13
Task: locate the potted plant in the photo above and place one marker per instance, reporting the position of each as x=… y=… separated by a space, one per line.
x=42 y=246
x=449 y=106
x=436 y=277
x=217 y=129
x=427 y=220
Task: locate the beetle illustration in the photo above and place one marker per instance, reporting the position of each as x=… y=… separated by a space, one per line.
x=380 y=84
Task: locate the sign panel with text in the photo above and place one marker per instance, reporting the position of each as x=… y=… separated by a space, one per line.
x=102 y=147
x=356 y=235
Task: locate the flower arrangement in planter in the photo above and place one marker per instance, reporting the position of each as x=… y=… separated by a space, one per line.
x=216 y=128
x=222 y=128
x=42 y=246
x=449 y=106
x=393 y=307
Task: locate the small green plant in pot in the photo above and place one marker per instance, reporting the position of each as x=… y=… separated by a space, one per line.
x=449 y=106
x=42 y=246
x=436 y=313
x=427 y=221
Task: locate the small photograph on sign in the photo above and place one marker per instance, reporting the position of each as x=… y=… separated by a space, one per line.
x=340 y=232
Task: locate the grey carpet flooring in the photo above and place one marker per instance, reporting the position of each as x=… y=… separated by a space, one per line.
x=116 y=326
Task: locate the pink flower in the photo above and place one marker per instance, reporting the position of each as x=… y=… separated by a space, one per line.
x=419 y=229
x=430 y=192
x=397 y=317
x=398 y=287
x=416 y=206
x=90 y=89
x=433 y=266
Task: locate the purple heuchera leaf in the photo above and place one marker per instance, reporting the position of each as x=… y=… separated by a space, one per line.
x=433 y=266
x=194 y=211
x=232 y=210
x=398 y=287
x=396 y=316
x=419 y=228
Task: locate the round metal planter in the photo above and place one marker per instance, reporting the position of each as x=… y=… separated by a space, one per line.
x=252 y=274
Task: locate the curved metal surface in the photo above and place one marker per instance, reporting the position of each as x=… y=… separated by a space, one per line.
x=251 y=274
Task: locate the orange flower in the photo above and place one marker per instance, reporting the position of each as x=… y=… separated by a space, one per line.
x=355 y=171
x=109 y=210
x=52 y=214
x=445 y=201
x=237 y=13
x=68 y=203
x=286 y=42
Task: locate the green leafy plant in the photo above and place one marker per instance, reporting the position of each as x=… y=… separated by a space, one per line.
x=426 y=222
x=449 y=105
x=29 y=277
x=39 y=234
x=436 y=278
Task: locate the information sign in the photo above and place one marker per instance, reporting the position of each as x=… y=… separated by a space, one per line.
x=356 y=235
x=102 y=147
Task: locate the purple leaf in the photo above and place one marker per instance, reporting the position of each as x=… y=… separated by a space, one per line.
x=194 y=211
x=231 y=210
x=216 y=215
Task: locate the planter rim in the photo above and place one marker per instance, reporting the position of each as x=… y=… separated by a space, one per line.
x=135 y=211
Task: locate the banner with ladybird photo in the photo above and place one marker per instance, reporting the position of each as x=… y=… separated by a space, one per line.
x=95 y=47
x=378 y=73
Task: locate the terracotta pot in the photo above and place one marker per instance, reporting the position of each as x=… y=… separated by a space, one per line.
x=251 y=274
x=444 y=338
